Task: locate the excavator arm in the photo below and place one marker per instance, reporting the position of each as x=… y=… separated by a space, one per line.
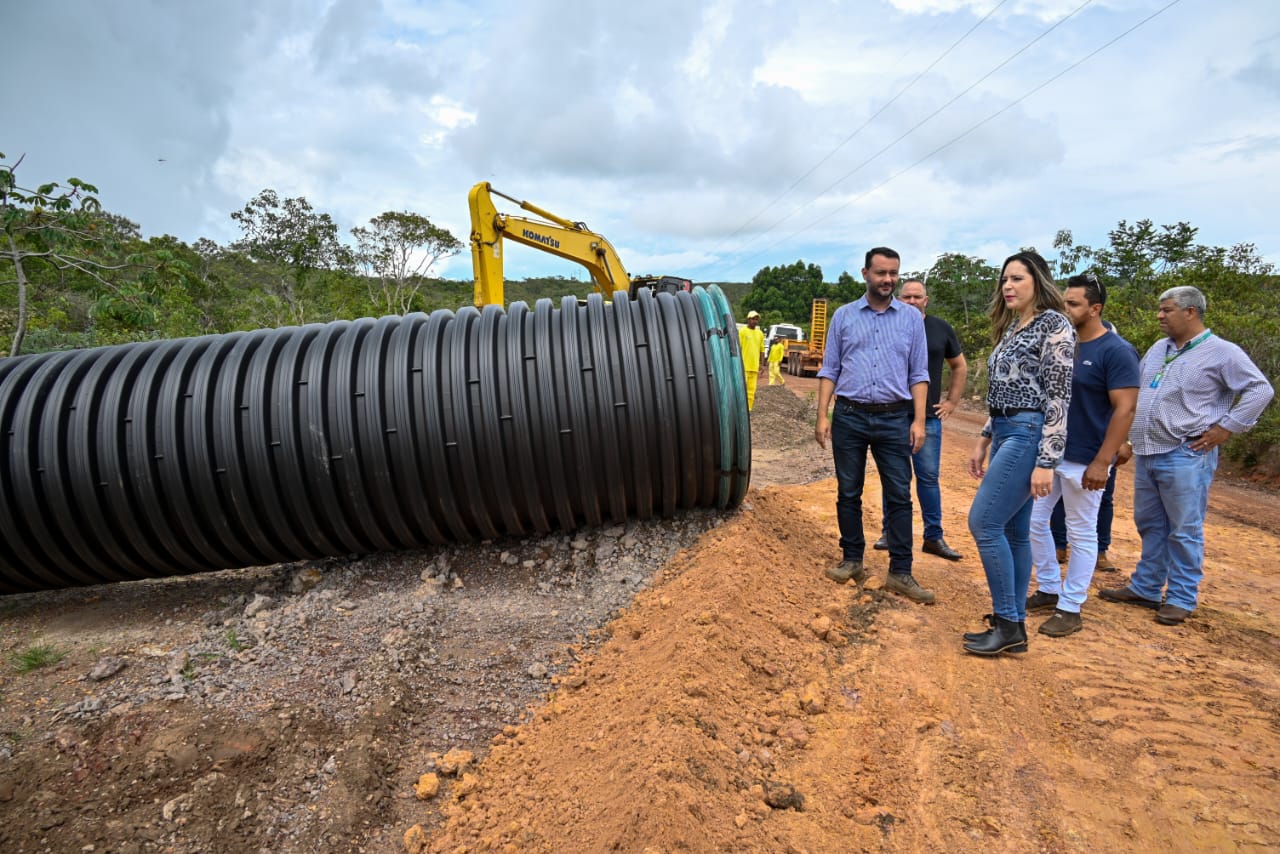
x=551 y=233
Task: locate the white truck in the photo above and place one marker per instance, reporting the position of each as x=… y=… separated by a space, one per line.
x=785 y=331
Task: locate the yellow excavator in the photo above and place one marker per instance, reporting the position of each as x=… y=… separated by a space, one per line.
x=552 y=233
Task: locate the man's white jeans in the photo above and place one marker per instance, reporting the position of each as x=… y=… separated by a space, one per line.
x=1081 y=506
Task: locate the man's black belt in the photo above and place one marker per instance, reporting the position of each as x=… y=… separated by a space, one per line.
x=895 y=406
x=1006 y=411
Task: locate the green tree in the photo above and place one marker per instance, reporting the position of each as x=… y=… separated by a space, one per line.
x=295 y=240
x=170 y=297
x=232 y=292
x=397 y=251
x=1071 y=258
x=847 y=289
x=53 y=226
x=1136 y=256
x=960 y=288
x=785 y=294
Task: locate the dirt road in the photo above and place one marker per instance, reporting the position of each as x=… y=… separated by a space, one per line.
x=746 y=704
x=738 y=701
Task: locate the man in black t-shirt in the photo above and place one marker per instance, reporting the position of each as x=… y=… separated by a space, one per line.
x=944 y=346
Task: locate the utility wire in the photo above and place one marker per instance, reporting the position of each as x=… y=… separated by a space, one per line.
x=966 y=133
x=862 y=127
x=929 y=117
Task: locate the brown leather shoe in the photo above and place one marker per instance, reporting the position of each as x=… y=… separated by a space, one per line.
x=940 y=548
x=1103 y=563
x=1171 y=615
x=906 y=585
x=1125 y=596
x=1041 y=601
x=847 y=570
x=1061 y=624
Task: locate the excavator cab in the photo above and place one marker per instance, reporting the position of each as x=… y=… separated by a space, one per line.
x=660 y=284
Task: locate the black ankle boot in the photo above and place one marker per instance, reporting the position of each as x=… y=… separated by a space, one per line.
x=990 y=620
x=1007 y=636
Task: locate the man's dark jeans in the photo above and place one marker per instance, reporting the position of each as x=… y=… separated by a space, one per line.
x=888 y=436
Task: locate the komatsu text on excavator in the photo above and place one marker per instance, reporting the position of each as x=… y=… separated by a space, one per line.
x=554 y=234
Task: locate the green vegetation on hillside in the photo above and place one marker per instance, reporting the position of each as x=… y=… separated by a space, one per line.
x=73 y=275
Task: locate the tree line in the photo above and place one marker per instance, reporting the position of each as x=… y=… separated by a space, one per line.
x=1139 y=262
x=74 y=275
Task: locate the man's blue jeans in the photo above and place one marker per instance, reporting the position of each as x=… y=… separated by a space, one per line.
x=888 y=436
x=1170 y=497
x=926 y=462
x=1000 y=517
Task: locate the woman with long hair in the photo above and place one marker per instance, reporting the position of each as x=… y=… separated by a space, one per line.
x=1029 y=388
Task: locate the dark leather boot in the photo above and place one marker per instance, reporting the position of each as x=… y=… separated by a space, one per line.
x=990 y=620
x=1007 y=636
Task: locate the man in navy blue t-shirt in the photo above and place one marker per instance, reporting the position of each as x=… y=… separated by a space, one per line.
x=1104 y=395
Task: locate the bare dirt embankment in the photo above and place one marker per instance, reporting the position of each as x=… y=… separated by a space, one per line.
x=734 y=699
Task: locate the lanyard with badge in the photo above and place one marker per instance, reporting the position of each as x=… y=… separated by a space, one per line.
x=1168 y=360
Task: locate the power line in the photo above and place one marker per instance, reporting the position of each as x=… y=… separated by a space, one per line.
x=863 y=126
x=927 y=118
x=965 y=133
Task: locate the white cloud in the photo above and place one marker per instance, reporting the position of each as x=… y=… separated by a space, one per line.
x=724 y=136
x=1046 y=10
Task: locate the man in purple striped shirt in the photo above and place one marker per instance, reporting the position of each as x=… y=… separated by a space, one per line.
x=876 y=366
x=1195 y=392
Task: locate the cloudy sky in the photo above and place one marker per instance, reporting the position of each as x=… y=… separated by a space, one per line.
x=702 y=138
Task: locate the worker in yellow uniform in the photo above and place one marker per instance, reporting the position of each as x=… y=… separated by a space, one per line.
x=776 y=351
x=751 y=341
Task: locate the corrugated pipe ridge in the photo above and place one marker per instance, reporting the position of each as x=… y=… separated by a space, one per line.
x=198 y=454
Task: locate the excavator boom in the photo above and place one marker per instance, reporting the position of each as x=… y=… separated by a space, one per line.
x=551 y=233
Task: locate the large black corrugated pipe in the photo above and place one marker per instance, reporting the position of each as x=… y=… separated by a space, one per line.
x=174 y=457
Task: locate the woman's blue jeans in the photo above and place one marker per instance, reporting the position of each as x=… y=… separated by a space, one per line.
x=1000 y=518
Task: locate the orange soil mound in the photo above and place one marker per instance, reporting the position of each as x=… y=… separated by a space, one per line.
x=745 y=703
x=717 y=693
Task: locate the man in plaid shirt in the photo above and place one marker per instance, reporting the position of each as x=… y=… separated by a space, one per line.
x=1195 y=392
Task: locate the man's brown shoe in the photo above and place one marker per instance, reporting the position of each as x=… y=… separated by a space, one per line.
x=1171 y=615
x=909 y=587
x=847 y=570
x=1103 y=563
x=1125 y=596
x=1061 y=624
x=940 y=548
x=1062 y=556
x=1041 y=601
